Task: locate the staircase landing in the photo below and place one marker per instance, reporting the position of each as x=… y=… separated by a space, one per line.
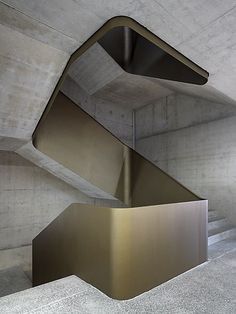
x=208 y=288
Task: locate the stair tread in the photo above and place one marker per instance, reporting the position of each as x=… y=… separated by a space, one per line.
x=221 y=234
x=220 y=230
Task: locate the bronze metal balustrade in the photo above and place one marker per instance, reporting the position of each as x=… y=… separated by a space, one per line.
x=162 y=231
x=122 y=251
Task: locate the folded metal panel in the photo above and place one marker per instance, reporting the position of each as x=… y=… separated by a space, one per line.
x=122 y=252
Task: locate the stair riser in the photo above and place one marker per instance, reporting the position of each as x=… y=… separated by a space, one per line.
x=217 y=224
x=212 y=215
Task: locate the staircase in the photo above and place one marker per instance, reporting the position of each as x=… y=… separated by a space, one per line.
x=14 y=279
x=219 y=228
x=73 y=295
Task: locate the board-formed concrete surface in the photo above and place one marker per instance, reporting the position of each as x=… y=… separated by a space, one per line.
x=201 y=157
x=20 y=256
x=208 y=288
x=37 y=39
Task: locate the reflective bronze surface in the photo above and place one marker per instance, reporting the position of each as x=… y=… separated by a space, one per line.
x=122 y=252
x=74 y=139
x=138 y=55
x=126 y=23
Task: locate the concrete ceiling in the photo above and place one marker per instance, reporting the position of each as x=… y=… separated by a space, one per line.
x=132 y=91
x=38 y=36
x=94 y=69
x=99 y=75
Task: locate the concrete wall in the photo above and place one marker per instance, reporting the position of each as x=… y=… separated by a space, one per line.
x=115 y=118
x=30 y=198
x=29 y=72
x=38 y=37
x=178 y=135
x=178 y=111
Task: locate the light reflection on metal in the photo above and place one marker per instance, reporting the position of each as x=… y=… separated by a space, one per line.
x=122 y=251
x=138 y=55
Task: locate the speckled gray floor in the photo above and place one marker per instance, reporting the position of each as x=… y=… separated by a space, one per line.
x=208 y=288
x=221 y=248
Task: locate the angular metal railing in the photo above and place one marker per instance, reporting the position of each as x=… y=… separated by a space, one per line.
x=121 y=251
x=162 y=232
